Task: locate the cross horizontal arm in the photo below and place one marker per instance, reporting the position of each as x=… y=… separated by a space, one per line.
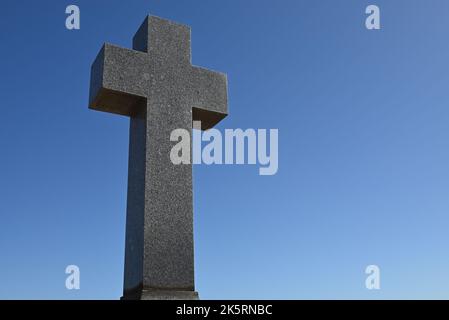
x=210 y=97
x=119 y=80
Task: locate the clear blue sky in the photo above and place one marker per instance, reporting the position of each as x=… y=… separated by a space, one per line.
x=363 y=119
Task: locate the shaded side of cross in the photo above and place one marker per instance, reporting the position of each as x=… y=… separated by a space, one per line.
x=156 y=85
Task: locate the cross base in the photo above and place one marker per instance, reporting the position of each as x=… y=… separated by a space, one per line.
x=163 y=295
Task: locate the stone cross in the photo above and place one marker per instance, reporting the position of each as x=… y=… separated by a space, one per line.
x=156 y=85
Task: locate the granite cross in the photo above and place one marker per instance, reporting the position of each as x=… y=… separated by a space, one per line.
x=156 y=85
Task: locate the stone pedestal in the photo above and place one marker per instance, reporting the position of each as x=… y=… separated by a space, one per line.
x=163 y=295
